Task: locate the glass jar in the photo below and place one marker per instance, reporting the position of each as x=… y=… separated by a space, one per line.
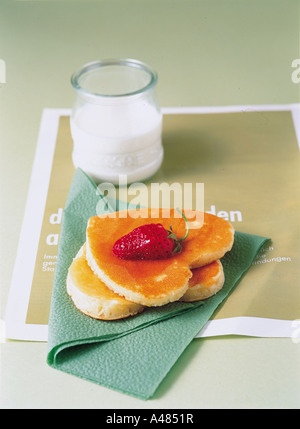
x=116 y=121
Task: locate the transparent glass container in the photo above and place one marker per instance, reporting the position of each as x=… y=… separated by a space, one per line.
x=116 y=121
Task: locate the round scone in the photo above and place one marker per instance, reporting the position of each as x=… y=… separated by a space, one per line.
x=205 y=282
x=154 y=282
x=92 y=297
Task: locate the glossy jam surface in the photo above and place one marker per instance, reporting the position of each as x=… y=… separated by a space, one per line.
x=155 y=277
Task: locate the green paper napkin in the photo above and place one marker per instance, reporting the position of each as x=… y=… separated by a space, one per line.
x=132 y=355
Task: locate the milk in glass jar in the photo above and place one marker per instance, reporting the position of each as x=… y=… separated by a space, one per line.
x=116 y=121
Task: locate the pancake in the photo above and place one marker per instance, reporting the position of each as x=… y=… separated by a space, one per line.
x=92 y=297
x=154 y=282
x=205 y=282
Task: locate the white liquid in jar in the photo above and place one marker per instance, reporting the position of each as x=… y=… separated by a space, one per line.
x=117 y=139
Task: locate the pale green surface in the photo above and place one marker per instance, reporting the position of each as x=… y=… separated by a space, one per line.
x=206 y=53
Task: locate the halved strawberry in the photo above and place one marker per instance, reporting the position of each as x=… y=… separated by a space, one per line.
x=150 y=241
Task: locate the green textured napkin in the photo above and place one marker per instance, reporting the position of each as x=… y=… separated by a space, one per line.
x=132 y=355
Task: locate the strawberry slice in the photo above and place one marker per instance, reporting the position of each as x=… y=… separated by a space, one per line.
x=150 y=241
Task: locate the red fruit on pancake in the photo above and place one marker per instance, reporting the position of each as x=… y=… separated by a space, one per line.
x=150 y=241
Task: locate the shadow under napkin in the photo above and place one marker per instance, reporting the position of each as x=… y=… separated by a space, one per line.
x=132 y=355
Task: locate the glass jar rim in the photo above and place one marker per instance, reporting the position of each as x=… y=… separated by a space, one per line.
x=113 y=62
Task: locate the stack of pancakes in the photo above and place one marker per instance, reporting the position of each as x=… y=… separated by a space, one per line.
x=106 y=287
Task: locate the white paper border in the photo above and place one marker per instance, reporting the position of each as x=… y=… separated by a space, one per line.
x=250 y=326
x=17 y=305
x=16 y=310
